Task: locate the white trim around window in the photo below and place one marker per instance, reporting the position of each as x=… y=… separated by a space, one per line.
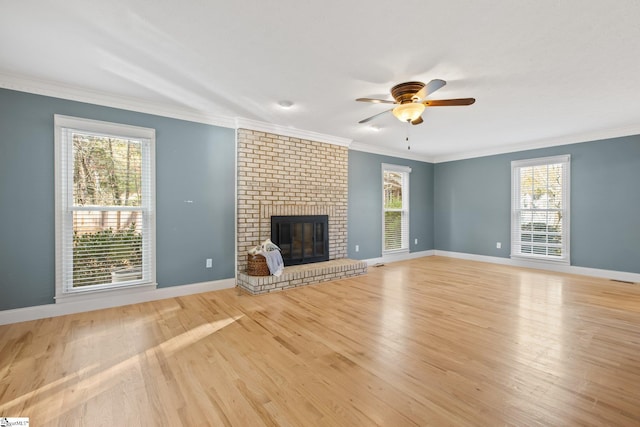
x=540 y=209
x=68 y=209
x=401 y=243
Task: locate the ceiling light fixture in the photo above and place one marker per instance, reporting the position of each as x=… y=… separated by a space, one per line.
x=285 y=104
x=408 y=112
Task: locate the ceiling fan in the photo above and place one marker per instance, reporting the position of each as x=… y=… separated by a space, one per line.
x=409 y=98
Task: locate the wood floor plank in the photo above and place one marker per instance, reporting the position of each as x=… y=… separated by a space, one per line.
x=431 y=341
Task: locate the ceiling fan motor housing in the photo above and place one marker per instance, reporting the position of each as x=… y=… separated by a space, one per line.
x=404 y=92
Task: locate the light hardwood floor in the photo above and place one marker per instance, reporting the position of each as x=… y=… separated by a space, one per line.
x=432 y=341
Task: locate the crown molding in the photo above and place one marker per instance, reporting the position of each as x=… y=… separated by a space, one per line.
x=367 y=148
x=544 y=143
x=80 y=94
x=77 y=93
x=242 y=123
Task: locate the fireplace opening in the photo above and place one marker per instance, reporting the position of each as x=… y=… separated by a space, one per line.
x=302 y=239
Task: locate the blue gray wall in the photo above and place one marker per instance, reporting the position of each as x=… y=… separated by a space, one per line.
x=365 y=208
x=472 y=203
x=194 y=162
x=461 y=206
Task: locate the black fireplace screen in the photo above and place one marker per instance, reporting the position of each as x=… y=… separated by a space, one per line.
x=302 y=239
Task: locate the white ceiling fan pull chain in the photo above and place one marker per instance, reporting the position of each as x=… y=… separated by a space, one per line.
x=407 y=139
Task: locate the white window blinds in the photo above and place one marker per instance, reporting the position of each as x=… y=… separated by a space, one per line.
x=105 y=205
x=540 y=209
x=395 y=207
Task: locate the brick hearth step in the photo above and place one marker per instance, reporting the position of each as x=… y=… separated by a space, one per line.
x=300 y=275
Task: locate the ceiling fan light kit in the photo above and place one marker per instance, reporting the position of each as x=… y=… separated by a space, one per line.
x=408 y=112
x=410 y=102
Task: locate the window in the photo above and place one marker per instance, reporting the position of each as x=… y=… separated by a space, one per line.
x=540 y=209
x=105 y=202
x=395 y=218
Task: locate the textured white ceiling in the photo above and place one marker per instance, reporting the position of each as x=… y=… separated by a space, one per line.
x=543 y=72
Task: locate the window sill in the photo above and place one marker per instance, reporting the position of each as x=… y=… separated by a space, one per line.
x=82 y=295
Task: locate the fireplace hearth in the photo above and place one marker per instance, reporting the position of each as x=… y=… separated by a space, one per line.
x=302 y=239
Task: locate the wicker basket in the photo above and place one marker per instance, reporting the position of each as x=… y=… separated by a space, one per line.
x=257 y=265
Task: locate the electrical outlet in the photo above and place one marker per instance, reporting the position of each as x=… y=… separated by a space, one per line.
x=209 y=263
x=415 y=242
x=498 y=245
x=357 y=248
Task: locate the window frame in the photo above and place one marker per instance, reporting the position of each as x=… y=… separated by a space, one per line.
x=405 y=171
x=64 y=291
x=516 y=231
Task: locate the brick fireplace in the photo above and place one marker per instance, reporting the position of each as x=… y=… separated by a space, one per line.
x=280 y=176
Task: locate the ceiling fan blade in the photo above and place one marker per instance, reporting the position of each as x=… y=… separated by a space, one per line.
x=430 y=87
x=374 y=116
x=376 y=101
x=448 y=102
x=417 y=121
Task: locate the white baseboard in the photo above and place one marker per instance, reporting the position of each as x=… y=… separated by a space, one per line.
x=398 y=257
x=60 y=309
x=560 y=268
x=570 y=269
x=104 y=301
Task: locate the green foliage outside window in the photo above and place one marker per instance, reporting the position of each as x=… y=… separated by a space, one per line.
x=107 y=172
x=97 y=255
x=393 y=206
x=392 y=230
